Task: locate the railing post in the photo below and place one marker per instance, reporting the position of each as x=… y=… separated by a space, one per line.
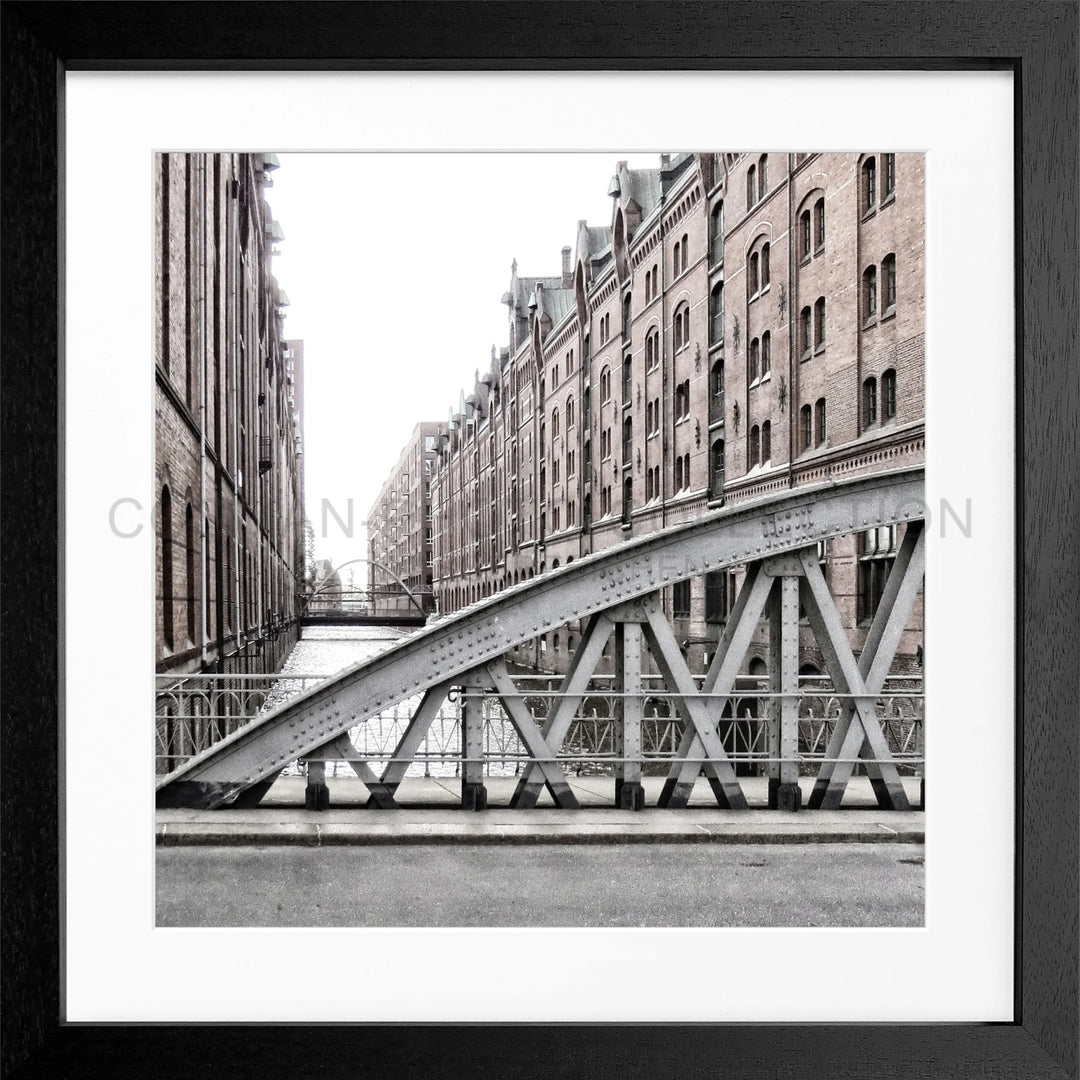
x=473 y=792
x=629 y=794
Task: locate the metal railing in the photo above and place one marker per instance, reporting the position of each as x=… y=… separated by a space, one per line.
x=195 y=711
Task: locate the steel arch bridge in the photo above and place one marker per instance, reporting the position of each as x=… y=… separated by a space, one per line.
x=615 y=591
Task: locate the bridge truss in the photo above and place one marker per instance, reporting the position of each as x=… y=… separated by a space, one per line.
x=616 y=593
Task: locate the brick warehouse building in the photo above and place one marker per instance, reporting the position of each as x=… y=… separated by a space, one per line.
x=399 y=527
x=229 y=491
x=745 y=324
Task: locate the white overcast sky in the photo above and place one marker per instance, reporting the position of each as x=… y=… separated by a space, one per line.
x=394 y=265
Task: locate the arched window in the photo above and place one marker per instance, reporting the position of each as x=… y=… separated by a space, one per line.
x=869 y=293
x=167 y=568
x=685 y=251
x=543 y=483
x=605 y=384
x=765 y=276
x=649 y=492
x=676 y=265
x=821 y=431
x=679 y=473
x=804 y=235
x=652 y=349
x=716 y=244
x=554 y=424
x=718 y=381
x=542 y=394
x=766 y=354
x=569 y=413
x=682 y=327
x=805 y=339
x=751 y=186
x=627 y=499
x=754 y=371
x=819 y=224
x=888 y=394
x=819 y=323
x=627 y=378
x=628 y=440
x=869 y=401
x=755 y=445
x=763 y=175
x=586 y=511
x=888 y=275
x=626 y=308
x=543 y=440
x=766 y=441
x=869 y=184
x=717 y=306
x=717 y=468
x=807 y=424
x=190 y=586
x=753 y=282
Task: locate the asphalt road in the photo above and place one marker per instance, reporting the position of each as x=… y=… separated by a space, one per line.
x=543 y=885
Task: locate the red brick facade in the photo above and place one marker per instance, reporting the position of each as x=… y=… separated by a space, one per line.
x=745 y=324
x=229 y=483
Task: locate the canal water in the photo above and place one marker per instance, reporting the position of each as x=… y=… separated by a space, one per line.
x=326 y=650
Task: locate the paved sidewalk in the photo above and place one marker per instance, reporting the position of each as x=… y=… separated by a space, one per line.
x=431 y=813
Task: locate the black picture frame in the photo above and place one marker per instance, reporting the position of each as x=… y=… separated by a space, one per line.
x=1038 y=41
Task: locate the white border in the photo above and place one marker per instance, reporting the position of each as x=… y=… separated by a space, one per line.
x=119 y=968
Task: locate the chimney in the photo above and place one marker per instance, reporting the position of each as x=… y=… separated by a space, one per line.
x=567 y=275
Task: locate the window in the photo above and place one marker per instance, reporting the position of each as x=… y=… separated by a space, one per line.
x=763 y=175
x=717 y=381
x=765 y=277
x=766 y=354
x=626 y=322
x=751 y=186
x=766 y=441
x=167 y=567
x=685 y=251
x=755 y=446
x=869 y=293
x=819 y=225
x=650 y=487
x=805 y=340
x=716 y=245
x=680 y=600
x=717 y=468
x=719 y=595
x=717 y=307
x=554 y=424
x=627 y=441
x=627 y=379
x=753 y=371
x=682 y=327
x=869 y=185
x=877 y=553
x=542 y=393
x=682 y=400
x=676 y=264
x=543 y=440
x=819 y=323
x=605 y=384
x=656 y=416
x=890 y=177
x=605 y=444
x=804 y=233
x=753 y=283
x=888 y=394
x=652 y=350
x=821 y=421
x=569 y=413
x=869 y=401
x=888 y=274
x=570 y=463
x=189 y=565
x=807 y=422
x=679 y=473
x=627 y=499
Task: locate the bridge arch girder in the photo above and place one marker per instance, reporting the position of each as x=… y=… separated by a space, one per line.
x=460 y=643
